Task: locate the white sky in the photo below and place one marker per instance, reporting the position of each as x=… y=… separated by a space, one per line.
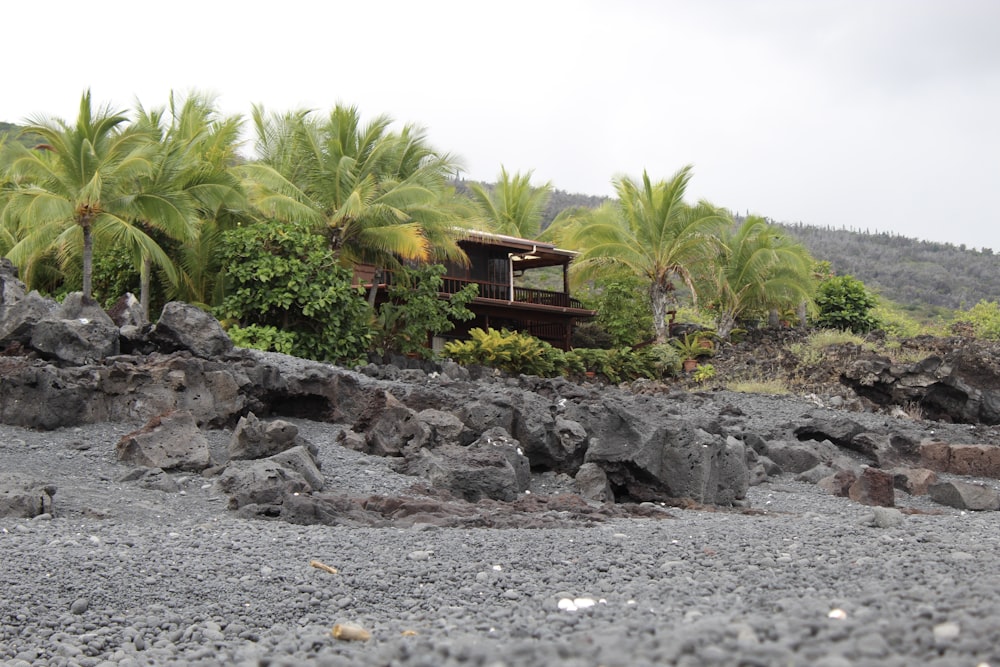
x=876 y=114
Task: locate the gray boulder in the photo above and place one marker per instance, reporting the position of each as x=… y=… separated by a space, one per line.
x=18 y=318
x=185 y=327
x=260 y=482
x=654 y=458
x=838 y=430
x=127 y=312
x=592 y=483
x=963 y=495
x=394 y=428
x=75 y=341
x=254 y=439
x=959 y=386
x=301 y=460
x=12 y=289
x=492 y=467
x=170 y=442
x=22 y=498
x=444 y=428
x=155 y=479
x=75 y=307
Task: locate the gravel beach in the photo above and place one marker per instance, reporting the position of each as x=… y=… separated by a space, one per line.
x=124 y=575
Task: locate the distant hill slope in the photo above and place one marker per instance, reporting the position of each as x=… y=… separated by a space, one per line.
x=905 y=270
x=12 y=130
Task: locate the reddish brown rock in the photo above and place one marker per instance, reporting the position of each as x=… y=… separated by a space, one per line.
x=972 y=460
x=975 y=460
x=873 y=487
x=915 y=481
x=935 y=455
x=838 y=484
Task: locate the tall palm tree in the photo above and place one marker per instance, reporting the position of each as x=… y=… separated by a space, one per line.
x=80 y=181
x=649 y=232
x=512 y=206
x=191 y=176
x=376 y=194
x=759 y=268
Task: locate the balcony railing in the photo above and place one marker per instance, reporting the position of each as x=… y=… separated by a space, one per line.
x=488 y=290
x=503 y=292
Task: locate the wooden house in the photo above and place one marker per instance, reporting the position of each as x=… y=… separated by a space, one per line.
x=501 y=266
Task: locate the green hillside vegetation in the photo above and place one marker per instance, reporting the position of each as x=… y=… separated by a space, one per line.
x=11 y=132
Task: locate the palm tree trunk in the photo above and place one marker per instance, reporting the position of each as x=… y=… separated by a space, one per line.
x=144 y=272
x=724 y=325
x=660 y=296
x=88 y=263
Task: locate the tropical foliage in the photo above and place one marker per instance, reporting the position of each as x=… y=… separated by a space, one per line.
x=81 y=182
x=518 y=353
x=288 y=293
x=984 y=319
x=759 y=268
x=512 y=206
x=377 y=196
x=649 y=232
x=843 y=302
x=414 y=311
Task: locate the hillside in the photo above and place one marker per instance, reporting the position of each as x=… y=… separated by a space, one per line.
x=906 y=270
x=11 y=130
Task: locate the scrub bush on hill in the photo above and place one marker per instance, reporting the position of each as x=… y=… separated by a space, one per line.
x=286 y=292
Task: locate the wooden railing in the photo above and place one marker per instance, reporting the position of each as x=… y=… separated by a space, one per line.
x=496 y=291
x=502 y=292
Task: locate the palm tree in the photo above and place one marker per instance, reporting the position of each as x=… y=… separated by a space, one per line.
x=80 y=181
x=759 y=268
x=374 y=193
x=190 y=187
x=649 y=232
x=513 y=206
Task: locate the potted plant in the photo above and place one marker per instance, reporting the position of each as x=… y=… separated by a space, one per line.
x=690 y=349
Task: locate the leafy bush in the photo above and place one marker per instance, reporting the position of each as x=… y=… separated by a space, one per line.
x=623 y=311
x=515 y=352
x=263 y=338
x=288 y=293
x=896 y=323
x=984 y=317
x=703 y=373
x=843 y=302
x=509 y=351
x=414 y=311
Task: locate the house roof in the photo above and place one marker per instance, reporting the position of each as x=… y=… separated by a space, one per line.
x=527 y=253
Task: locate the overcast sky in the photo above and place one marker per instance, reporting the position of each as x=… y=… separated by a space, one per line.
x=872 y=114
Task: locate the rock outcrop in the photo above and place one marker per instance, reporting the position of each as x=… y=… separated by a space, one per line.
x=473 y=435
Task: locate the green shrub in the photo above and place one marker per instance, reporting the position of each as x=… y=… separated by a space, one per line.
x=515 y=352
x=843 y=302
x=263 y=338
x=414 y=311
x=287 y=292
x=508 y=351
x=703 y=373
